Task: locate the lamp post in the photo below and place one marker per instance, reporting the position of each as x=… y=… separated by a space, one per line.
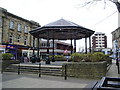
x=117 y=61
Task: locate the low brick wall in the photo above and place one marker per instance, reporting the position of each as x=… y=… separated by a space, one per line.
x=6 y=63
x=91 y=70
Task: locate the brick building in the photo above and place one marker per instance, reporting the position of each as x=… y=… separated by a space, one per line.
x=99 y=41
x=59 y=48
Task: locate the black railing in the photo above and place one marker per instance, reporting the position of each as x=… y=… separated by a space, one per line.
x=19 y=68
x=39 y=69
x=65 y=75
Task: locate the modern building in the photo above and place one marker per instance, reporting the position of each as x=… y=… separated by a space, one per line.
x=59 y=48
x=14 y=33
x=116 y=41
x=99 y=41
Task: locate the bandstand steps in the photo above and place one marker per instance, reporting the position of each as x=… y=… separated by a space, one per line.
x=44 y=69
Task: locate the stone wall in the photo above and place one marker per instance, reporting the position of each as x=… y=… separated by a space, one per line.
x=6 y=31
x=91 y=70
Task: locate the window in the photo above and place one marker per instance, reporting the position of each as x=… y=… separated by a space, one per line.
x=25 y=40
x=10 y=38
x=11 y=25
x=0 y=21
x=44 y=45
x=19 y=27
x=18 y=38
x=26 y=29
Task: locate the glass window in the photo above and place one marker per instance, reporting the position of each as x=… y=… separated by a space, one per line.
x=18 y=38
x=0 y=21
x=11 y=39
x=26 y=29
x=19 y=27
x=11 y=25
x=25 y=40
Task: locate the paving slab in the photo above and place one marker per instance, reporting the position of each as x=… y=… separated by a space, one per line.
x=31 y=81
x=113 y=72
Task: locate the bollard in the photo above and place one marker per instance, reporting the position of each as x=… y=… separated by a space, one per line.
x=18 y=68
x=39 y=69
x=65 y=72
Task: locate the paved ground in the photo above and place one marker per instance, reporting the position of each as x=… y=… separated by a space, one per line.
x=12 y=80
x=113 y=72
x=31 y=81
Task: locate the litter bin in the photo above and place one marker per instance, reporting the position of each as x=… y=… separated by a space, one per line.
x=107 y=83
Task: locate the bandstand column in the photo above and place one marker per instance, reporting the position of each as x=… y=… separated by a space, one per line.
x=86 y=45
x=33 y=45
x=47 y=55
x=71 y=46
x=75 y=45
x=53 y=59
x=90 y=44
x=38 y=41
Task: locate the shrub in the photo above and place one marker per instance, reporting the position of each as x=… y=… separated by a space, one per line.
x=7 y=56
x=90 y=57
x=58 y=56
x=76 y=57
x=98 y=56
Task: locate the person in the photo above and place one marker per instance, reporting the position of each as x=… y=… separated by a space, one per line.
x=26 y=59
x=22 y=59
x=33 y=58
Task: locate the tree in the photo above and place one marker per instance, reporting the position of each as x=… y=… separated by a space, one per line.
x=118 y=5
x=116 y=2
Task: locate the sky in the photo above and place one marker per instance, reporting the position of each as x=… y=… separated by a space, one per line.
x=98 y=16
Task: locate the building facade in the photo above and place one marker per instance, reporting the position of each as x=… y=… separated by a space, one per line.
x=59 y=48
x=116 y=41
x=99 y=41
x=14 y=33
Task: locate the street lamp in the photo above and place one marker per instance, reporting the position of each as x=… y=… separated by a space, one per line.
x=117 y=49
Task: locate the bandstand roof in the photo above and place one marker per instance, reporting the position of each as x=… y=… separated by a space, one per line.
x=62 y=30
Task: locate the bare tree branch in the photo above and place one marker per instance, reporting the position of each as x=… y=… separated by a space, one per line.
x=116 y=2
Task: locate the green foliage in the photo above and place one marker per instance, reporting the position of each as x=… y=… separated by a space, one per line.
x=98 y=56
x=90 y=57
x=58 y=56
x=7 y=56
x=76 y=57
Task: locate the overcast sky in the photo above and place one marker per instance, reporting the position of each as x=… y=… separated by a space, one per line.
x=97 y=17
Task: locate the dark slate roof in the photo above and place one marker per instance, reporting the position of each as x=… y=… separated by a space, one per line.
x=62 y=29
x=62 y=22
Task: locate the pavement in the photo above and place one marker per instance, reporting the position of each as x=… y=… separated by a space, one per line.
x=33 y=82
x=113 y=71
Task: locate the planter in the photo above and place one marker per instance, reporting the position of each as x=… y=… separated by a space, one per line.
x=6 y=63
x=91 y=70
